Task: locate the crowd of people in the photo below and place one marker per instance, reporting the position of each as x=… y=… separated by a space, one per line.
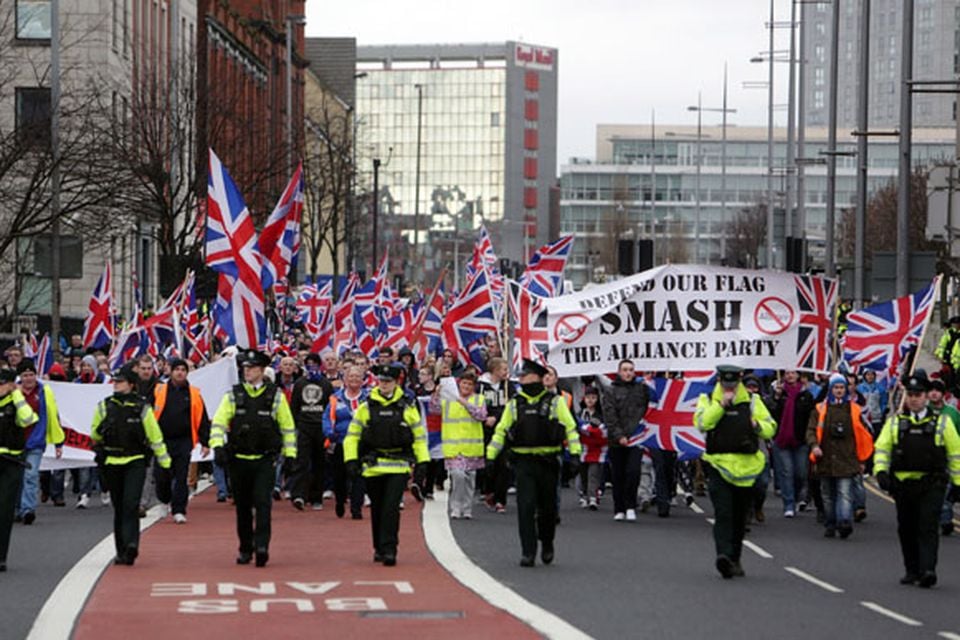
x=305 y=427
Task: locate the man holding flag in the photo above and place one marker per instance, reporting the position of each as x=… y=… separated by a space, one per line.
x=46 y=431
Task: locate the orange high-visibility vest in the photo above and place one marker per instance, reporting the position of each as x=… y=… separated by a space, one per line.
x=196 y=408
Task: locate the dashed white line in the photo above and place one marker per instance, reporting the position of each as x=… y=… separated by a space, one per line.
x=757 y=549
x=696 y=508
x=949 y=635
x=893 y=615
x=803 y=575
x=711 y=521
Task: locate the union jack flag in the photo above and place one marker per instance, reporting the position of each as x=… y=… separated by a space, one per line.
x=30 y=345
x=280 y=238
x=544 y=275
x=530 y=333
x=98 y=331
x=368 y=318
x=231 y=245
x=401 y=326
x=315 y=310
x=428 y=337
x=471 y=317
x=44 y=355
x=879 y=337
x=816 y=298
x=344 y=333
x=668 y=423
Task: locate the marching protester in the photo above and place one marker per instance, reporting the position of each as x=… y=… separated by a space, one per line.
x=840 y=444
x=45 y=431
x=535 y=427
x=624 y=403
x=497 y=390
x=182 y=416
x=15 y=417
x=937 y=404
x=792 y=406
x=754 y=387
x=734 y=423
x=462 y=441
x=309 y=398
x=250 y=428
x=917 y=457
x=384 y=440
x=123 y=430
x=944 y=350
x=336 y=421
x=593 y=440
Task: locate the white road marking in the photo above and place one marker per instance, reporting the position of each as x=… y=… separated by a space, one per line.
x=803 y=575
x=893 y=615
x=711 y=521
x=757 y=549
x=696 y=508
x=444 y=547
x=63 y=607
x=949 y=635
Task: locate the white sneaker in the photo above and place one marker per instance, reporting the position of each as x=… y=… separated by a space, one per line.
x=105 y=498
x=401 y=504
x=512 y=491
x=583 y=503
x=317 y=506
x=179 y=518
x=593 y=504
x=366 y=500
x=619 y=516
x=631 y=515
x=788 y=513
x=328 y=495
x=83 y=502
x=164 y=510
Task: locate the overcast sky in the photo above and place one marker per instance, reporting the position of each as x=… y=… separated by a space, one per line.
x=619 y=59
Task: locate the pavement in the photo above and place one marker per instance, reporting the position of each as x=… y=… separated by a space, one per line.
x=655 y=578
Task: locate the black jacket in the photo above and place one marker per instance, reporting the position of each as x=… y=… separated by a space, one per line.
x=624 y=406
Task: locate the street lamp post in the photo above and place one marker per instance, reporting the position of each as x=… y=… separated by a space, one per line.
x=416 y=188
x=906 y=139
x=291 y=21
x=375 y=209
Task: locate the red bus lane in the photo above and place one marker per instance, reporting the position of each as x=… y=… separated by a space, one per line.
x=321 y=579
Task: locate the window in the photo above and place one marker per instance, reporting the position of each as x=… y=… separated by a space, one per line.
x=33 y=19
x=33 y=116
x=495 y=119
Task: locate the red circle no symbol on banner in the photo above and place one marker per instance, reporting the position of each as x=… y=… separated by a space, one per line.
x=773 y=316
x=570 y=327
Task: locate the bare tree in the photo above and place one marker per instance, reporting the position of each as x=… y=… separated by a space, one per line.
x=746 y=234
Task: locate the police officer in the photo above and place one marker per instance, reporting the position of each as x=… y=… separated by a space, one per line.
x=920 y=447
x=734 y=421
x=944 y=350
x=534 y=426
x=257 y=418
x=123 y=430
x=15 y=416
x=386 y=437
x=308 y=400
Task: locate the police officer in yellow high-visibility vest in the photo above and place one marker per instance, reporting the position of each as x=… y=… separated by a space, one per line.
x=15 y=416
x=921 y=448
x=123 y=429
x=535 y=426
x=251 y=427
x=734 y=422
x=461 y=437
x=384 y=440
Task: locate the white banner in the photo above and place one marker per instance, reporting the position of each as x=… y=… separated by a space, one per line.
x=689 y=318
x=77 y=402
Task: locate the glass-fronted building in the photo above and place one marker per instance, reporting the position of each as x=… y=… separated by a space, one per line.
x=614 y=197
x=487 y=118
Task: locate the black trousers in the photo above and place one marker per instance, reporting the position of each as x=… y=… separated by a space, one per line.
x=625 y=471
x=665 y=472
x=918 y=518
x=343 y=486
x=385 y=493
x=252 y=483
x=730 y=506
x=311 y=455
x=10 y=478
x=125 y=484
x=537 y=478
x=498 y=479
x=171 y=483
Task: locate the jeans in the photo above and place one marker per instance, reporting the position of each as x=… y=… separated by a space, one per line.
x=625 y=468
x=859 y=493
x=52 y=483
x=791 y=465
x=760 y=487
x=220 y=479
x=837 y=501
x=87 y=480
x=31 y=481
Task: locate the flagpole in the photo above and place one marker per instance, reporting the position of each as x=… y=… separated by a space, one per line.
x=923 y=335
x=426 y=309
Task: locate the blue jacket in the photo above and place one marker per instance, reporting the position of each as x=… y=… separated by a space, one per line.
x=47 y=429
x=339 y=414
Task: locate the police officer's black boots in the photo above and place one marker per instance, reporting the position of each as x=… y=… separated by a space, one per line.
x=262 y=557
x=245 y=557
x=527 y=561
x=546 y=552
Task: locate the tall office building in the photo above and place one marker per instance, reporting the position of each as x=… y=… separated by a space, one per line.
x=487 y=121
x=936 y=57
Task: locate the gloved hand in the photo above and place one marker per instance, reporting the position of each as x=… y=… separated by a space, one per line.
x=954 y=495
x=420 y=474
x=289 y=466
x=353 y=468
x=883 y=479
x=220 y=457
x=99 y=456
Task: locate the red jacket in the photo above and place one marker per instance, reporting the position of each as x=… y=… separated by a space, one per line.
x=593 y=438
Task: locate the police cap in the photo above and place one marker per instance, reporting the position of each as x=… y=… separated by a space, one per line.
x=26 y=365
x=729 y=375
x=532 y=367
x=254 y=358
x=954 y=320
x=387 y=371
x=127 y=373
x=917 y=382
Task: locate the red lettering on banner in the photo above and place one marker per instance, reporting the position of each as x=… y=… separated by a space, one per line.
x=77 y=440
